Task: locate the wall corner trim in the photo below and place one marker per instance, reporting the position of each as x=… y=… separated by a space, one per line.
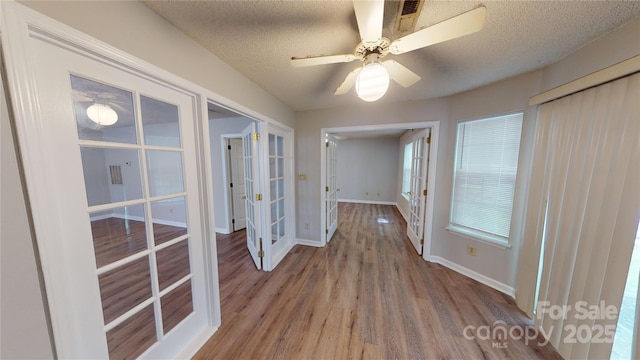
x=503 y=288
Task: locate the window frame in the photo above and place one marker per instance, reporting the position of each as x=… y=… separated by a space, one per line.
x=478 y=234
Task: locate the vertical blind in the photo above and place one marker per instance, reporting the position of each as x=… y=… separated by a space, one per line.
x=583 y=204
x=485 y=174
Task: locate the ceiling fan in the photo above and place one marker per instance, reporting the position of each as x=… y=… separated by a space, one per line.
x=372 y=79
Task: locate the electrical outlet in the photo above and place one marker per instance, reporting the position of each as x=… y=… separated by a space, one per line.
x=471 y=250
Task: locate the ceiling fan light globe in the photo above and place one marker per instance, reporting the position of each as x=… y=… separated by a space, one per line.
x=102 y=114
x=372 y=82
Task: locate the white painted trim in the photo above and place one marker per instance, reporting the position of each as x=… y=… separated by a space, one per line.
x=100 y=217
x=503 y=288
x=197 y=343
x=368 y=202
x=612 y=72
x=223 y=231
x=210 y=253
x=307 y=242
x=155 y=221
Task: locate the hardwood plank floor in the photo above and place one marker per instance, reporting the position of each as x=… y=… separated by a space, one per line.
x=367 y=295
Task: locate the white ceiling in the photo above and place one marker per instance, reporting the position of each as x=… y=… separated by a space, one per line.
x=258 y=38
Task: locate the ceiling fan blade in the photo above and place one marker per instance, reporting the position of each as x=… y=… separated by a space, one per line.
x=348 y=82
x=321 y=60
x=369 y=15
x=400 y=74
x=463 y=24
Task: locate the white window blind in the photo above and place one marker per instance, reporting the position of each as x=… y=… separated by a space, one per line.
x=484 y=175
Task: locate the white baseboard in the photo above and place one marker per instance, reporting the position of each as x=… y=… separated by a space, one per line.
x=503 y=288
x=198 y=342
x=100 y=217
x=307 y=242
x=402 y=213
x=155 y=221
x=224 y=231
x=368 y=202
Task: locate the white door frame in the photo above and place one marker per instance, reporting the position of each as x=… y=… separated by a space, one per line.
x=434 y=125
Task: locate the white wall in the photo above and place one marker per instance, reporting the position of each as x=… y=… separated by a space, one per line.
x=367 y=170
x=217 y=128
x=132 y=27
x=24 y=332
x=309 y=145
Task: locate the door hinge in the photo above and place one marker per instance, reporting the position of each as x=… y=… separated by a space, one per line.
x=424 y=192
x=230 y=184
x=429 y=140
x=258 y=197
x=326 y=188
x=421 y=241
x=260 y=253
x=233 y=221
x=256 y=136
x=326 y=143
x=229 y=147
x=326 y=231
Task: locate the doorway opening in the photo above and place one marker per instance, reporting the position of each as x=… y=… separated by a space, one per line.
x=348 y=148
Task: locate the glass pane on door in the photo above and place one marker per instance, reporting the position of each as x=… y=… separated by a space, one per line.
x=103 y=112
x=276 y=187
x=141 y=242
x=118 y=233
x=161 y=122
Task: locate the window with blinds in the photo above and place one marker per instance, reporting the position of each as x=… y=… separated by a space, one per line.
x=486 y=165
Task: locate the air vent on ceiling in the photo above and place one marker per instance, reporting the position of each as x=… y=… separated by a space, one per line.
x=408 y=11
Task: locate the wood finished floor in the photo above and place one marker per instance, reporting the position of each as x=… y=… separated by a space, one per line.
x=367 y=295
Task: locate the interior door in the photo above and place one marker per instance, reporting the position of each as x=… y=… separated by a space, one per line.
x=238 y=192
x=253 y=195
x=120 y=227
x=277 y=208
x=418 y=189
x=331 y=190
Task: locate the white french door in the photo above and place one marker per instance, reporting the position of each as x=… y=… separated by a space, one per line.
x=331 y=189
x=250 y=151
x=418 y=189
x=278 y=204
x=111 y=166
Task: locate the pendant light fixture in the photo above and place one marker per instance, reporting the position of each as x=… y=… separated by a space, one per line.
x=102 y=114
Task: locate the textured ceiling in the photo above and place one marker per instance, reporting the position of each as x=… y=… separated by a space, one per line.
x=258 y=38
